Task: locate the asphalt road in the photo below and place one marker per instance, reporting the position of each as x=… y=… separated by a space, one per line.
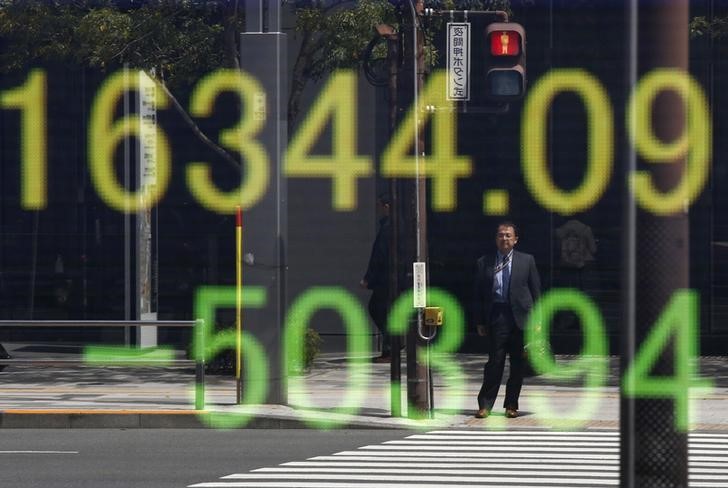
x=159 y=458
x=285 y=458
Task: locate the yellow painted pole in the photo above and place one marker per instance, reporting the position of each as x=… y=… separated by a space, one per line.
x=238 y=302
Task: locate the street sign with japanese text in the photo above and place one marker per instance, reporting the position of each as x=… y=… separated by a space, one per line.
x=458 y=61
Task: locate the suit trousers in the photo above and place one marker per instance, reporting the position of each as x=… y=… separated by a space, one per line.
x=378 y=310
x=505 y=337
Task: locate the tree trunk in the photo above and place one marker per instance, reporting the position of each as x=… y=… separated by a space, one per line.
x=198 y=132
x=299 y=78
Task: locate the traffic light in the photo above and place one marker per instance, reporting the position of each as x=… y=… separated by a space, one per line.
x=505 y=73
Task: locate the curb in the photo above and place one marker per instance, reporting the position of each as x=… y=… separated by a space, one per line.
x=160 y=419
x=193 y=419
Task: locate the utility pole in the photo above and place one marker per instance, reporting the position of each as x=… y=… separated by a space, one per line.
x=409 y=197
x=654 y=451
x=410 y=205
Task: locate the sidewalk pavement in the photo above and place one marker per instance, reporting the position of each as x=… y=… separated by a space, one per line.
x=62 y=396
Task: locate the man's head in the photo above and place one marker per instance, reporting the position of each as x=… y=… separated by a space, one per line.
x=506 y=237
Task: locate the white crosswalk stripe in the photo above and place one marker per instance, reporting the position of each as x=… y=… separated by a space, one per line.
x=477 y=459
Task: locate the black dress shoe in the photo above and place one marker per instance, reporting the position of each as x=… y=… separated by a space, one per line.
x=511 y=413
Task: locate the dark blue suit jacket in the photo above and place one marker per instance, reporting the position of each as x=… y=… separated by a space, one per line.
x=524 y=289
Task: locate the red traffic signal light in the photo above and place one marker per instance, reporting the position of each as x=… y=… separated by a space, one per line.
x=505 y=43
x=505 y=72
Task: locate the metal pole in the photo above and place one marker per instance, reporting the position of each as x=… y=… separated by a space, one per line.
x=128 y=257
x=274 y=16
x=199 y=331
x=238 y=303
x=34 y=263
x=254 y=15
x=628 y=346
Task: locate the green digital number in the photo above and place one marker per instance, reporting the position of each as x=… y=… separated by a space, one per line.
x=120 y=355
x=678 y=321
x=207 y=300
x=591 y=364
x=450 y=337
x=358 y=351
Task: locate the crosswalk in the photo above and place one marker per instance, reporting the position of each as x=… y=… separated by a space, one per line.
x=476 y=459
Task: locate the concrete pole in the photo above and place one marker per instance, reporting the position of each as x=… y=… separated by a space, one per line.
x=413 y=203
x=653 y=452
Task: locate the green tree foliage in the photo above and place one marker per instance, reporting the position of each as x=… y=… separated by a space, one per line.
x=717 y=27
x=333 y=36
x=340 y=34
x=178 y=41
x=174 y=41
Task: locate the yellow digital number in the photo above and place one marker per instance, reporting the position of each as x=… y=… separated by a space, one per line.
x=104 y=135
x=695 y=142
x=30 y=99
x=338 y=102
x=600 y=121
x=239 y=138
x=444 y=166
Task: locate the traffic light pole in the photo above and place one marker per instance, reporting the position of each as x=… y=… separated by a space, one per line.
x=479 y=102
x=413 y=204
x=409 y=197
x=500 y=14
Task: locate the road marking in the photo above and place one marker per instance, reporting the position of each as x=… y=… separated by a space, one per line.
x=456 y=472
x=498 y=437
x=349 y=484
x=496 y=442
x=554 y=433
x=467 y=458
x=480 y=455
x=478 y=459
x=457 y=465
x=38 y=452
x=418 y=478
x=494 y=447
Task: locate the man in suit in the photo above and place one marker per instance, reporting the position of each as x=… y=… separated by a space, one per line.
x=377 y=277
x=507 y=285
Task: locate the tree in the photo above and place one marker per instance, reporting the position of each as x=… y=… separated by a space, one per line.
x=332 y=36
x=177 y=41
x=716 y=28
